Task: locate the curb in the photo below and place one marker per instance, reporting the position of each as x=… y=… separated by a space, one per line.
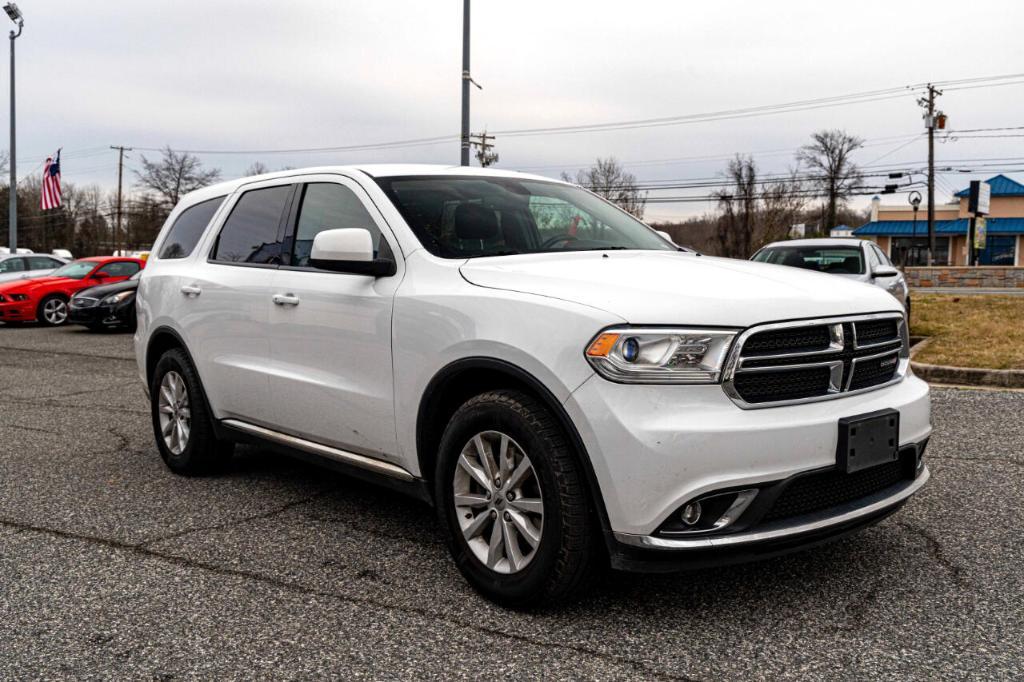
x=968 y=376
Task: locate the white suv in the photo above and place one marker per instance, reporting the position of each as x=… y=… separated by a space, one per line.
x=565 y=386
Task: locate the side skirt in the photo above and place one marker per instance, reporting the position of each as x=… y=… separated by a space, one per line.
x=369 y=469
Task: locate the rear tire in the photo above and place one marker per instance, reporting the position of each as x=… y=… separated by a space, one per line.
x=52 y=311
x=182 y=422
x=527 y=537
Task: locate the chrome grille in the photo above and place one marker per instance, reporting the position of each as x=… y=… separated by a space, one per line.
x=808 y=360
x=84 y=302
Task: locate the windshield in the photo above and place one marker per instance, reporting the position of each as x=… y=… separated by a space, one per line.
x=465 y=217
x=77 y=270
x=838 y=260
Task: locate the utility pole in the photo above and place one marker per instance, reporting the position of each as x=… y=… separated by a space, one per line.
x=15 y=15
x=484 y=154
x=120 y=177
x=929 y=121
x=466 y=79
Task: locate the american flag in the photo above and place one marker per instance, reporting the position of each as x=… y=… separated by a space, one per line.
x=51 y=183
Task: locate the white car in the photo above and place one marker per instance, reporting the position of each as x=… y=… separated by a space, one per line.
x=28 y=266
x=566 y=387
x=857 y=259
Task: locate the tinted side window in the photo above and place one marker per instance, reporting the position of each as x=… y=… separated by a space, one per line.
x=12 y=265
x=328 y=206
x=42 y=263
x=250 y=234
x=188 y=228
x=881 y=256
x=120 y=269
x=873 y=258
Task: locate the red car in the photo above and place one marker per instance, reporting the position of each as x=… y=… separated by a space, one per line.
x=45 y=299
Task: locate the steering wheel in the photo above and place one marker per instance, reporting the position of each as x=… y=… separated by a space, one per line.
x=551 y=241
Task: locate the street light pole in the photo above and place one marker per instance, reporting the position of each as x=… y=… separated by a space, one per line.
x=466 y=78
x=15 y=14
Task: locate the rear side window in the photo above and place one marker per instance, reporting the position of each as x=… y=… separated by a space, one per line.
x=329 y=206
x=188 y=228
x=42 y=263
x=251 y=232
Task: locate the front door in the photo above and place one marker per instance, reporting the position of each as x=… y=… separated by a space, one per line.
x=330 y=332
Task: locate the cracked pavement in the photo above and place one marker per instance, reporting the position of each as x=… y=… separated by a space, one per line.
x=111 y=566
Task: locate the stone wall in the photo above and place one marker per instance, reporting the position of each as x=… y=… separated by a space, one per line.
x=984 y=277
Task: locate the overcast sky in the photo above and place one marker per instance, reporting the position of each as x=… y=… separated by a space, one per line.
x=270 y=75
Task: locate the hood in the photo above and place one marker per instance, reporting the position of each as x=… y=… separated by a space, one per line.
x=103 y=290
x=24 y=286
x=660 y=287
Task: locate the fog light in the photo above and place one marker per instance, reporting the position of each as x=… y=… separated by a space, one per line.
x=691 y=513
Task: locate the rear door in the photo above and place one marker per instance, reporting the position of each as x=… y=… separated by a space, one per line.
x=225 y=297
x=330 y=338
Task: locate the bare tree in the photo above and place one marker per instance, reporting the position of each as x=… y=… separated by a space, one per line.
x=175 y=174
x=257 y=168
x=754 y=212
x=607 y=178
x=836 y=177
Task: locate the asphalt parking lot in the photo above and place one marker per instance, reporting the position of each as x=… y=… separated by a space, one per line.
x=110 y=566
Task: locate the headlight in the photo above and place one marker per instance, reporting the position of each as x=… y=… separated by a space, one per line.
x=114 y=299
x=660 y=356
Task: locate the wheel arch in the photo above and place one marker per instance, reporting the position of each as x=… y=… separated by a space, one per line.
x=161 y=340
x=461 y=380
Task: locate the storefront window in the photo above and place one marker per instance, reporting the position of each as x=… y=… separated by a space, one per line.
x=999 y=250
x=914 y=251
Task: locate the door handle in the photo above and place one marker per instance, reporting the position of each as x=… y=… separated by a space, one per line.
x=285 y=299
x=191 y=290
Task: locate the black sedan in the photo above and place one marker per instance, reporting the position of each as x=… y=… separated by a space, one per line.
x=108 y=306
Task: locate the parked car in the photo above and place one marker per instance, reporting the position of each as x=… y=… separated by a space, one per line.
x=45 y=299
x=856 y=259
x=107 y=306
x=28 y=266
x=63 y=253
x=566 y=387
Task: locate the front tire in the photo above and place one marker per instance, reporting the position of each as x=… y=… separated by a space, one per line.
x=513 y=502
x=182 y=423
x=52 y=311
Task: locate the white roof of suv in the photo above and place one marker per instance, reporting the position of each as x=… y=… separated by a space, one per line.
x=382 y=170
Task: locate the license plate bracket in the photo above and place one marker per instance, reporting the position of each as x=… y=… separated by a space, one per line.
x=867 y=440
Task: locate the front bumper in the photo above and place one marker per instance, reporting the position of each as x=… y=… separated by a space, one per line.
x=18 y=311
x=655 y=448
x=644 y=553
x=117 y=315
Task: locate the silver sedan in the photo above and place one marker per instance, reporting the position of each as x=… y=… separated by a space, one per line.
x=28 y=265
x=858 y=259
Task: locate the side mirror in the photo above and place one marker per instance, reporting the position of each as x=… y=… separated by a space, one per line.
x=666 y=236
x=349 y=250
x=885 y=271
x=100 y=276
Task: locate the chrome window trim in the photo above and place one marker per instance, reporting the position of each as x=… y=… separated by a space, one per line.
x=805 y=524
x=733 y=362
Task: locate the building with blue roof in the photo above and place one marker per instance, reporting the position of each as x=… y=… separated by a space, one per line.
x=905 y=240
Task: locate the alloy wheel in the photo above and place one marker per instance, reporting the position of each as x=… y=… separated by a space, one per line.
x=175 y=412
x=55 y=311
x=498 y=502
